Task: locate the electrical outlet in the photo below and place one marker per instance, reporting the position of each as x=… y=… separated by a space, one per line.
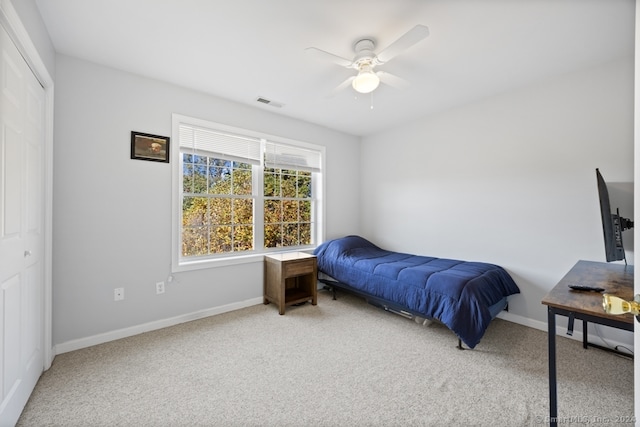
x=160 y=288
x=118 y=294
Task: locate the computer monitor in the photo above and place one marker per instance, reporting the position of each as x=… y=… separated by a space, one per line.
x=612 y=224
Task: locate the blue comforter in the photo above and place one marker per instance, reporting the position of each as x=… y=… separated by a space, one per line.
x=457 y=293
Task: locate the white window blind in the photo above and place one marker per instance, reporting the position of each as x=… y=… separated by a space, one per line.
x=284 y=156
x=225 y=145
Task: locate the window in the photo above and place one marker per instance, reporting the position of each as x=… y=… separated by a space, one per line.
x=239 y=193
x=217 y=206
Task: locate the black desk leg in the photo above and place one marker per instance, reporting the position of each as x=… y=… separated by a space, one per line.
x=553 y=391
x=585 y=343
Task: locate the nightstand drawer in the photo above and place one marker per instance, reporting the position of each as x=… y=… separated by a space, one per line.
x=298 y=268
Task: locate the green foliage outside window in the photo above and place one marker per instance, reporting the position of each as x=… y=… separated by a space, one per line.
x=218 y=205
x=287 y=208
x=217 y=208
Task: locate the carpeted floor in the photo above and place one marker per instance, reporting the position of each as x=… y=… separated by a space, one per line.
x=340 y=363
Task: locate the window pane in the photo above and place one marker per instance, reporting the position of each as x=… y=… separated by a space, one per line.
x=290 y=211
x=220 y=211
x=243 y=238
x=220 y=239
x=243 y=211
x=194 y=174
x=187 y=178
x=242 y=181
x=304 y=185
x=271 y=184
x=290 y=235
x=219 y=180
x=305 y=234
x=289 y=185
x=194 y=241
x=199 y=160
x=199 y=174
x=305 y=211
x=194 y=211
x=272 y=211
x=272 y=236
x=219 y=162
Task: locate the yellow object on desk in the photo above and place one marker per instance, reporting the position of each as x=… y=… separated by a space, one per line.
x=616 y=305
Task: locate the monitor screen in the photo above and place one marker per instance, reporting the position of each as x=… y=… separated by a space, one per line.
x=612 y=224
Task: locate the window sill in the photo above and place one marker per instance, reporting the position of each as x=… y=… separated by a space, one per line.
x=232 y=260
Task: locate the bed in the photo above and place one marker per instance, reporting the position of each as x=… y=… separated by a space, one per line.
x=465 y=296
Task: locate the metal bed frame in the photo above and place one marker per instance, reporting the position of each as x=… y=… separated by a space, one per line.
x=393 y=307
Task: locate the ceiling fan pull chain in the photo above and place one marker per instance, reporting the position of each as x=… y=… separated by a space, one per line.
x=372 y=100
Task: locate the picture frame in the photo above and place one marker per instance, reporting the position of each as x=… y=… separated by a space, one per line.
x=146 y=146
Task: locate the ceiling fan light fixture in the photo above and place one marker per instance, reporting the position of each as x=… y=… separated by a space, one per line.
x=366 y=81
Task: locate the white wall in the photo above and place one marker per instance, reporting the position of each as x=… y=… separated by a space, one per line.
x=32 y=21
x=509 y=180
x=112 y=221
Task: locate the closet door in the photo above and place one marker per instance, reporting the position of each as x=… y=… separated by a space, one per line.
x=21 y=230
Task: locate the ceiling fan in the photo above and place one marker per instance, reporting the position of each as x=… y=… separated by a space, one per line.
x=365 y=60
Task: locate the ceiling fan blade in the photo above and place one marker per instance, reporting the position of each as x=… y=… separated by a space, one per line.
x=392 y=80
x=324 y=56
x=341 y=87
x=408 y=39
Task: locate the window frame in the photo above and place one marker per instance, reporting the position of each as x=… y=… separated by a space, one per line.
x=179 y=263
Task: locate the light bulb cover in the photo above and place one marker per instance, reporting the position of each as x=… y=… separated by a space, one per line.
x=366 y=81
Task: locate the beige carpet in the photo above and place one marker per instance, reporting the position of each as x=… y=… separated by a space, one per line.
x=340 y=363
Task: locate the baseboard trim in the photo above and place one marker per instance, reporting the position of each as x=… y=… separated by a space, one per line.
x=561 y=331
x=164 y=323
x=524 y=321
x=151 y=326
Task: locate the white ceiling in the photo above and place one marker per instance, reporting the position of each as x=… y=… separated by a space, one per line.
x=245 y=49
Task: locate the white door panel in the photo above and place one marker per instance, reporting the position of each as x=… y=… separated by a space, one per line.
x=12 y=195
x=32 y=140
x=11 y=332
x=32 y=320
x=21 y=231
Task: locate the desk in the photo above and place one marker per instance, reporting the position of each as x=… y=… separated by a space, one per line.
x=616 y=279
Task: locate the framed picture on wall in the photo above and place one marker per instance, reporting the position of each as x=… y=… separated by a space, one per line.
x=145 y=146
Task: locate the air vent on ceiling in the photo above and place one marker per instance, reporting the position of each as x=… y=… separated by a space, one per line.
x=269 y=102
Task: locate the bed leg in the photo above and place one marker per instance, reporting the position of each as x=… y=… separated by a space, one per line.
x=333 y=291
x=459 y=346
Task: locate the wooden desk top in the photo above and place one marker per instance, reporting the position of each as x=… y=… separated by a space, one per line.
x=615 y=279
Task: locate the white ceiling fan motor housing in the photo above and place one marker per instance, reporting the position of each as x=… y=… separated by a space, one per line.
x=364 y=53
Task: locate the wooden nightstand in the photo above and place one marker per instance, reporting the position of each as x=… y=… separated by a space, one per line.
x=290 y=278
